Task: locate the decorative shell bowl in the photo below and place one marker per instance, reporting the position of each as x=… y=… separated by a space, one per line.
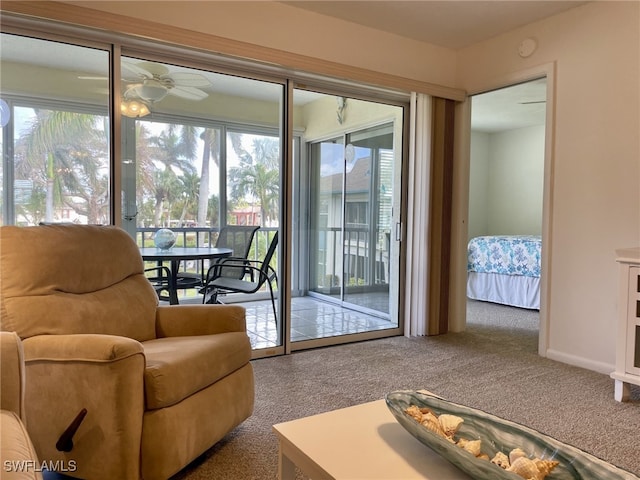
x=497 y=435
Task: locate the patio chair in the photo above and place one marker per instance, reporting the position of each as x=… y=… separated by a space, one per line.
x=236 y=237
x=233 y=275
x=161 y=280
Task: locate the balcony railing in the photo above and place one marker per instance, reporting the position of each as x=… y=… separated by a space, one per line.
x=204 y=237
x=364 y=266
x=366 y=259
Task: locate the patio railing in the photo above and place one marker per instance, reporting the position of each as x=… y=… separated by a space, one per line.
x=366 y=259
x=204 y=237
x=366 y=265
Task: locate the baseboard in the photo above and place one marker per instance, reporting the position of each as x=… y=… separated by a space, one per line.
x=582 y=362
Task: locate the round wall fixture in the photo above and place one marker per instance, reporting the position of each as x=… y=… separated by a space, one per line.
x=527 y=47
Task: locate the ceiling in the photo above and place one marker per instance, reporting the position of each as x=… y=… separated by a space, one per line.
x=518 y=106
x=449 y=24
x=458 y=24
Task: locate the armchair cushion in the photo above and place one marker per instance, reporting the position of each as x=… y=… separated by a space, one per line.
x=19 y=459
x=17 y=454
x=178 y=367
x=53 y=268
x=12 y=373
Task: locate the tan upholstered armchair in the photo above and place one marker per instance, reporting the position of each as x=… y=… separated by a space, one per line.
x=160 y=384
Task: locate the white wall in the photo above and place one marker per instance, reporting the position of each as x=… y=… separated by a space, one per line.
x=596 y=162
x=515 y=181
x=505 y=184
x=479 y=185
x=279 y=26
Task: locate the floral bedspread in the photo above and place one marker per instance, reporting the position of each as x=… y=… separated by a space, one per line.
x=505 y=254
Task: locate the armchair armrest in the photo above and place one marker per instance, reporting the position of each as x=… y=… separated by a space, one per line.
x=12 y=373
x=103 y=374
x=80 y=347
x=185 y=320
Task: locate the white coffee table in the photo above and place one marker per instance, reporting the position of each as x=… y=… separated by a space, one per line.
x=361 y=442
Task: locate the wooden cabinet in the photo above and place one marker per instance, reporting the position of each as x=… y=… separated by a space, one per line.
x=628 y=341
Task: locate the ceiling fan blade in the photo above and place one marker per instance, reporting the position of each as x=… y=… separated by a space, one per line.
x=153 y=69
x=188 y=93
x=133 y=70
x=88 y=77
x=186 y=79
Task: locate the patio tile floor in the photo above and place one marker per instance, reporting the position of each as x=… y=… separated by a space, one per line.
x=311 y=318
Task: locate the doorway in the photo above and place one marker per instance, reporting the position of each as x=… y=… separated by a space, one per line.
x=506 y=200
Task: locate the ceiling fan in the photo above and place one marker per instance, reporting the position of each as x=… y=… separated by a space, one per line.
x=152 y=82
x=146 y=83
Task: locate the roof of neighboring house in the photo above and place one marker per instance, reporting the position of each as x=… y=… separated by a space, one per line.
x=358 y=178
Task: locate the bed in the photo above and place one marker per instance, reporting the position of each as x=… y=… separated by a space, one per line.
x=505 y=269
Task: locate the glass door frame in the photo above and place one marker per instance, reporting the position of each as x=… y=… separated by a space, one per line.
x=301 y=174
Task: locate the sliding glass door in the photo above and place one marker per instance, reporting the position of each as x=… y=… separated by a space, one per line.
x=352 y=190
x=351 y=205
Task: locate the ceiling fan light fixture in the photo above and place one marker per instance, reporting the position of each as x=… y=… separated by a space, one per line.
x=151 y=91
x=134 y=108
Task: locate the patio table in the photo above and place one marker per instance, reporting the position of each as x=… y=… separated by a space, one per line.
x=175 y=255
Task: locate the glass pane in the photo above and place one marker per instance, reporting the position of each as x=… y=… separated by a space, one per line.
x=57 y=123
x=171 y=160
x=253 y=180
x=325 y=266
x=201 y=153
x=368 y=207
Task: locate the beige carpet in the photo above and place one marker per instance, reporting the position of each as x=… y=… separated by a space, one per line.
x=493 y=366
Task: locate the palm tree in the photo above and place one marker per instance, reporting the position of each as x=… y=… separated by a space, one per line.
x=174 y=148
x=258 y=176
x=66 y=154
x=189 y=186
x=211 y=139
x=145 y=170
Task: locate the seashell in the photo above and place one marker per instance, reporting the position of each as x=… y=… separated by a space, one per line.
x=414 y=412
x=450 y=424
x=430 y=422
x=462 y=442
x=515 y=454
x=544 y=467
x=472 y=446
x=501 y=460
x=525 y=467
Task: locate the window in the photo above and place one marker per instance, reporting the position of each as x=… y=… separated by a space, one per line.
x=55 y=136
